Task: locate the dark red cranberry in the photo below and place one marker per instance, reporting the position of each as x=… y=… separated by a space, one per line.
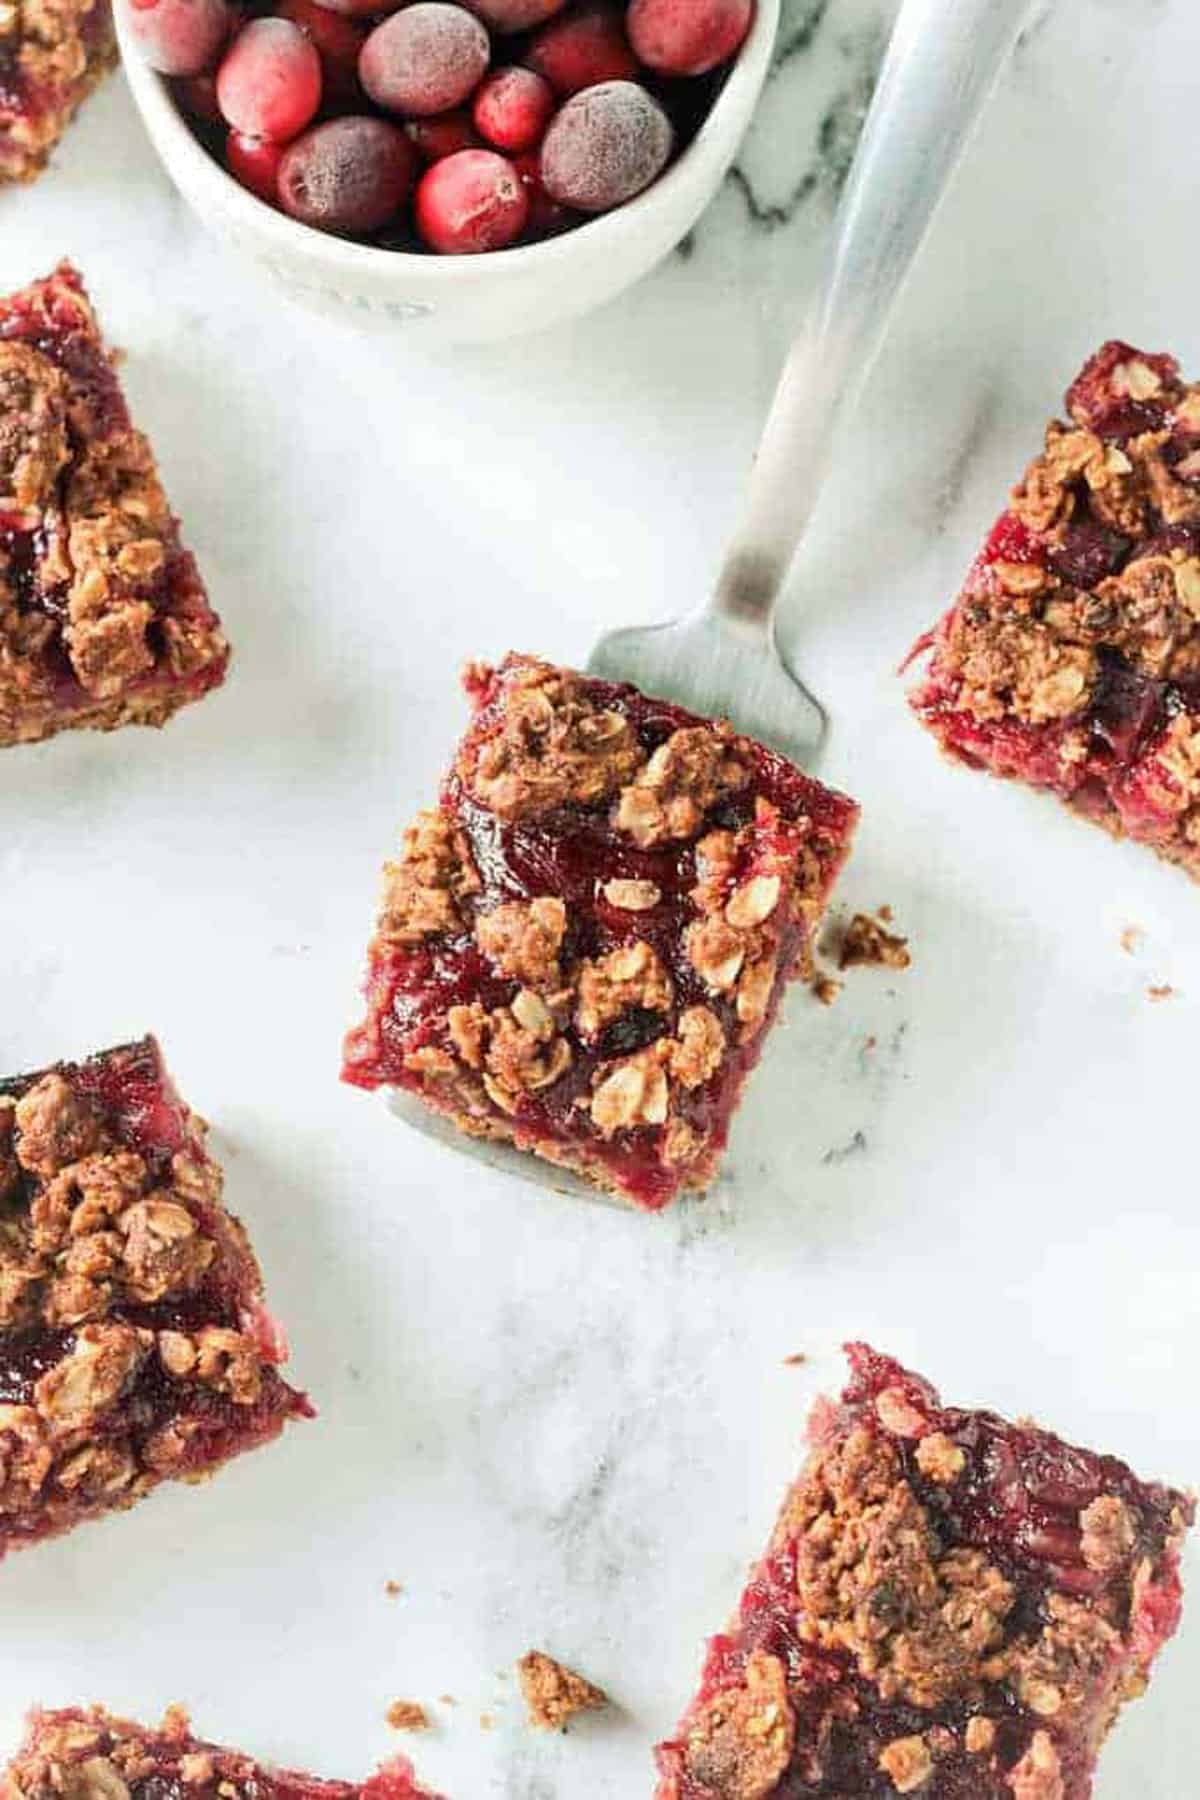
x=269 y=84
x=546 y=216
x=338 y=41
x=347 y=175
x=1121 y=391
x=606 y=145
x=442 y=135
x=513 y=108
x=1087 y=553
x=688 y=37
x=426 y=59
x=179 y=37
x=471 y=202
x=255 y=163
x=516 y=15
x=582 y=48
x=197 y=95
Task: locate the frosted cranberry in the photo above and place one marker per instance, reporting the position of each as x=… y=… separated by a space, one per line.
x=586 y=46
x=605 y=146
x=471 y=202
x=179 y=37
x=442 y=135
x=255 y=163
x=269 y=85
x=516 y=15
x=546 y=216
x=425 y=59
x=350 y=175
x=338 y=41
x=197 y=95
x=688 y=37
x=513 y=108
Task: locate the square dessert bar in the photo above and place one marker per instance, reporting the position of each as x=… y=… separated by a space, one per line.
x=1071 y=659
x=580 y=951
x=52 y=54
x=950 y=1606
x=134 y=1344
x=87 y=1754
x=103 y=617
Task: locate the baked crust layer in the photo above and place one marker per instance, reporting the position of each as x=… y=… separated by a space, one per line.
x=52 y=54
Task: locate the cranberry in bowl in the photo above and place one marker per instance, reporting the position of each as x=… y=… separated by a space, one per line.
x=463 y=173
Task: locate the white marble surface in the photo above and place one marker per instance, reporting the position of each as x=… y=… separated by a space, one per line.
x=553 y=1423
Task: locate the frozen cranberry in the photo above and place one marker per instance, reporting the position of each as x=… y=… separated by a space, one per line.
x=269 y=85
x=516 y=15
x=179 y=37
x=442 y=135
x=688 y=37
x=362 y=9
x=197 y=94
x=513 y=108
x=255 y=163
x=546 y=216
x=350 y=174
x=338 y=42
x=586 y=46
x=425 y=59
x=471 y=202
x=605 y=146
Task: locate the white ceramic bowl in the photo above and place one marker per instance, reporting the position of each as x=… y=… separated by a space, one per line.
x=463 y=299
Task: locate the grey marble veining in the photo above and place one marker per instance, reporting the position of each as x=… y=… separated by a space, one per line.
x=554 y=1423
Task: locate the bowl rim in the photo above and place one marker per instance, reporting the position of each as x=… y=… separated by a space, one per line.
x=164 y=119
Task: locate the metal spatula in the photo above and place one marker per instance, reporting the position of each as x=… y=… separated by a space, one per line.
x=723 y=659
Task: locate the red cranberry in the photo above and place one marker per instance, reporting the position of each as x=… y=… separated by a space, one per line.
x=471 y=202
x=269 y=85
x=546 y=216
x=255 y=163
x=586 y=46
x=350 y=174
x=516 y=15
x=513 y=108
x=197 y=94
x=362 y=9
x=605 y=146
x=426 y=59
x=688 y=37
x=179 y=37
x=338 y=42
x=442 y=135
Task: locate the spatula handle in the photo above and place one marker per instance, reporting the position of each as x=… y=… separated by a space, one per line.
x=942 y=63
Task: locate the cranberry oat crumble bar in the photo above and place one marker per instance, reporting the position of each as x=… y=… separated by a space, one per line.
x=134 y=1344
x=52 y=54
x=1071 y=659
x=950 y=1606
x=87 y=1754
x=581 y=949
x=104 y=620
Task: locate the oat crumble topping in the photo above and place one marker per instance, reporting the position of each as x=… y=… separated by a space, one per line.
x=553 y=1693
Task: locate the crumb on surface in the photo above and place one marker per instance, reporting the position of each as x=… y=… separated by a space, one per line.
x=794 y=1361
x=1132 y=939
x=392 y=1588
x=1163 y=991
x=407 y=1715
x=826 y=988
x=866 y=941
x=553 y=1693
x=487 y=1722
